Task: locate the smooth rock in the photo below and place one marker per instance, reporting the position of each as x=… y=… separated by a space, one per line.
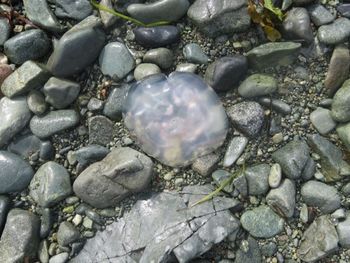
x=5 y=71
x=234 y=150
x=321 y=195
x=95 y=105
x=47 y=221
x=262 y=222
x=292 y=158
x=101 y=130
x=247 y=117
x=115 y=103
x=15 y=115
x=78 y=47
x=74 y=9
x=275 y=175
x=159 y=36
x=276 y=104
x=273 y=54
x=193 y=53
x=107 y=18
x=343 y=230
x=161 y=10
x=219 y=177
x=60 y=93
x=20 y=238
x=257 y=85
x=43 y=252
x=296 y=25
x=60 y=258
x=53 y=122
x=206 y=164
x=90 y=154
x=145 y=70
x=116 y=60
x=186 y=67
x=36 y=102
x=218 y=17
x=322 y=120
x=50 y=184
x=225 y=73
x=320 y=15
x=344 y=10
x=257 y=179
x=122 y=172
x=338 y=69
x=282 y=199
x=28 y=76
x=341 y=103
x=39 y=12
x=249 y=252
x=4 y=208
x=334 y=33
x=309 y=170
x=5 y=30
x=162 y=57
x=319 y=240
x=67 y=234
x=343 y=132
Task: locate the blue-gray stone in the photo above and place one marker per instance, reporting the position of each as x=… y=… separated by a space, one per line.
x=341 y=103
x=159 y=36
x=74 y=9
x=320 y=15
x=5 y=30
x=4 y=208
x=193 y=53
x=322 y=120
x=115 y=103
x=344 y=10
x=257 y=85
x=296 y=25
x=335 y=33
x=162 y=57
x=90 y=154
x=258 y=179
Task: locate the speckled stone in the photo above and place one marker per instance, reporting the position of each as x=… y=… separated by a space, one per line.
x=334 y=33
x=162 y=57
x=145 y=70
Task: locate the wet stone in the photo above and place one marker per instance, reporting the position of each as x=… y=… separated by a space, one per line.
x=334 y=33
x=234 y=150
x=159 y=36
x=320 y=15
x=154 y=128
x=36 y=102
x=186 y=67
x=90 y=154
x=193 y=53
x=4 y=208
x=297 y=26
x=162 y=57
x=74 y=9
x=101 y=130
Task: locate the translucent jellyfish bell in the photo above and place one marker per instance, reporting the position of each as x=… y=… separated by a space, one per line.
x=175 y=119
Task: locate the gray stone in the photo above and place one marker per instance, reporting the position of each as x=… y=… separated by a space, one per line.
x=302 y=2
x=296 y=25
x=39 y=12
x=320 y=15
x=206 y=164
x=101 y=130
x=28 y=45
x=115 y=102
x=344 y=10
x=107 y=18
x=219 y=177
x=5 y=30
x=60 y=258
x=257 y=179
x=319 y=240
x=60 y=93
x=343 y=229
x=122 y=172
x=95 y=105
x=20 y=238
x=27 y=77
x=275 y=175
x=262 y=222
x=162 y=57
x=269 y=249
x=320 y=195
x=53 y=122
x=341 y=103
x=162 y=225
x=338 y=69
x=67 y=234
x=186 y=67
x=322 y=120
x=74 y=9
x=193 y=53
x=47 y=221
x=43 y=252
x=218 y=17
x=4 y=208
x=292 y=158
x=343 y=131
x=282 y=199
x=15 y=115
x=36 y=102
x=77 y=48
x=334 y=33
x=146 y=69
x=276 y=104
x=273 y=54
x=50 y=184
x=162 y=10
x=249 y=252
x=247 y=117
x=257 y=85
x=90 y=154
x=234 y=150
x=225 y=73
x=309 y=170
x=158 y=36
x=333 y=167
x=116 y=61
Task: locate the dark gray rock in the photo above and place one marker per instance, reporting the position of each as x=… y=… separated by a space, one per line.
x=249 y=252
x=28 y=45
x=15 y=115
x=219 y=177
x=90 y=154
x=292 y=157
x=50 y=184
x=257 y=85
x=101 y=130
x=193 y=53
x=320 y=15
x=234 y=150
x=247 y=117
x=296 y=25
x=309 y=170
x=122 y=172
x=162 y=57
x=15 y=173
x=20 y=238
x=4 y=208
x=343 y=131
x=321 y=195
x=257 y=179
x=276 y=104
x=115 y=102
x=282 y=199
x=302 y=2
x=53 y=122
x=344 y=10
x=159 y=36
x=334 y=33
x=184 y=231
x=27 y=77
x=67 y=234
x=74 y=9
x=312 y=247
x=39 y=12
x=218 y=17
x=47 y=221
x=77 y=48
x=262 y=222
x=341 y=103
x=273 y=54
x=60 y=93
x=225 y=73
x=343 y=229
x=163 y=10
x=5 y=30
x=36 y=102
x=322 y=120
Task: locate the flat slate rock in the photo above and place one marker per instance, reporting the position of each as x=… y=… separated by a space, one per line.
x=164 y=224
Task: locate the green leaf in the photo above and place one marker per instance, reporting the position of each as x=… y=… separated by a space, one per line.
x=278 y=12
